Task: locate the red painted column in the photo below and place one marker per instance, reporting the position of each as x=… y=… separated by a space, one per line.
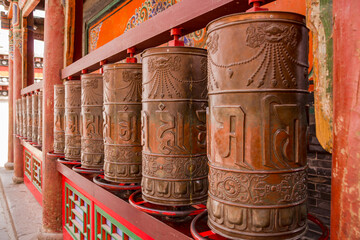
x=53 y=63
x=10 y=163
x=345 y=192
x=30 y=50
x=78 y=29
x=17 y=85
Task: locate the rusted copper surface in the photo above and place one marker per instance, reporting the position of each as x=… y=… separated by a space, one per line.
x=59 y=121
x=122 y=122
x=174 y=126
x=28 y=117
x=35 y=117
x=72 y=120
x=39 y=136
x=92 y=143
x=257 y=125
x=23 y=116
x=18 y=117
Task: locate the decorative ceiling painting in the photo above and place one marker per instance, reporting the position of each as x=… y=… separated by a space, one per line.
x=107 y=25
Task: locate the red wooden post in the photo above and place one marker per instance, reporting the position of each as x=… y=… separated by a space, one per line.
x=17 y=85
x=10 y=163
x=30 y=50
x=53 y=57
x=78 y=30
x=345 y=191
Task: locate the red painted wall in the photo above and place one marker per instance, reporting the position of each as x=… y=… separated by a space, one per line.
x=345 y=205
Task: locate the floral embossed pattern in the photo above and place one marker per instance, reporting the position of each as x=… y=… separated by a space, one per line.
x=258 y=189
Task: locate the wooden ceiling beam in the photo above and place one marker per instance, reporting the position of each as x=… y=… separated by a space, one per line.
x=191 y=15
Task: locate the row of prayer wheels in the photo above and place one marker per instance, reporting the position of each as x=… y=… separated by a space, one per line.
x=226 y=125
x=28 y=111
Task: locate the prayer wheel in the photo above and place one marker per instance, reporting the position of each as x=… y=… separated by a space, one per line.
x=23 y=116
x=35 y=117
x=39 y=137
x=122 y=122
x=257 y=123
x=28 y=117
x=59 y=122
x=174 y=102
x=92 y=143
x=18 y=117
x=72 y=120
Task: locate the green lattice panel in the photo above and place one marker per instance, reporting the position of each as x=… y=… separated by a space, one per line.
x=107 y=228
x=28 y=164
x=77 y=214
x=36 y=170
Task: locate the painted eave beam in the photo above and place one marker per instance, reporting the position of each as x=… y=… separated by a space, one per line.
x=29 y=7
x=191 y=15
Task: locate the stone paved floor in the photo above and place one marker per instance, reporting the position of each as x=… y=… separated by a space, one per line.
x=20 y=213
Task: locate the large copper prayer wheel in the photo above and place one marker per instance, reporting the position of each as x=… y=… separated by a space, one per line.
x=18 y=117
x=23 y=116
x=35 y=117
x=257 y=125
x=59 y=122
x=40 y=99
x=174 y=126
x=72 y=120
x=122 y=122
x=28 y=117
x=92 y=143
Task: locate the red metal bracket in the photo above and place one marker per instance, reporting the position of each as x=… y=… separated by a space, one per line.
x=72 y=78
x=176 y=33
x=67 y=162
x=131 y=51
x=138 y=202
x=102 y=63
x=56 y=155
x=200 y=222
x=256 y=6
x=102 y=182
x=84 y=71
x=80 y=169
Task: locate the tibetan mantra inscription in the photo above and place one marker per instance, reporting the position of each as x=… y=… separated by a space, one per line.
x=35 y=117
x=39 y=137
x=28 y=117
x=72 y=120
x=23 y=116
x=92 y=144
x=122 y=122
x=59 y=122
x=174 y=126
x=257 y=120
